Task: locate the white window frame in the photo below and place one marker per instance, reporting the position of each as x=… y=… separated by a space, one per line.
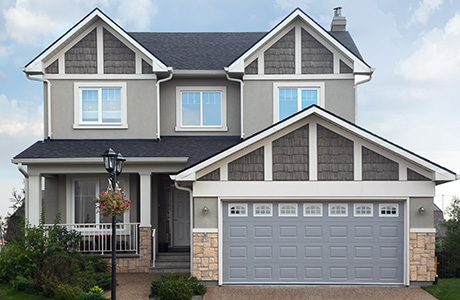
x=356 y=205
x=78 y=115
x=241 y=205
x=254 y=208
x=320 y=86
x=182 y=89
x=126 y=218
x=305 y=205
x=395 y=205
x=331 y=205
x=288 y=215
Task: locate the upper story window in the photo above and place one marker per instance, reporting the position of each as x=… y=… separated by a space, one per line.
x=201 y=108
x=100 y=105
x=292 y=97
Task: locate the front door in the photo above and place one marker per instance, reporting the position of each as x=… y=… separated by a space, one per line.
x=181 y=219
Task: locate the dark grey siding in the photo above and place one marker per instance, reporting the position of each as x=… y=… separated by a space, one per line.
x=252 y=68
x=53 y=68
x=290 y=156
x=378 y=167
x=146 y=68
x=335 y=156
x=82 y=57
x=414 y=176
x=280 y=58
x=118 y=59
x=344 y=68
x=316 y=59
x=211 y=176
x=248 y=168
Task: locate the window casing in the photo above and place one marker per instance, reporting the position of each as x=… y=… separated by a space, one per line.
x=262 y=210
x=291 y=97
x=313 y=210
x=363 y=210
x=100 y=105
x=287 y=209
x=388 y=210
x=237 y=209
x=201 y=108
x=338 y=210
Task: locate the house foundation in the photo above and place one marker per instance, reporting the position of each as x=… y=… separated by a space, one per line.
x=422 y=257
x=205 y=256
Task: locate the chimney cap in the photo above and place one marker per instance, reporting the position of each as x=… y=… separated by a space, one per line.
x=338 y=11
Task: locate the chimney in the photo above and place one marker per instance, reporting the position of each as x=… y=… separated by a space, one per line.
x=339 y=22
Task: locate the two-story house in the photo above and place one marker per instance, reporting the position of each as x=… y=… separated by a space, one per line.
x=241 y=151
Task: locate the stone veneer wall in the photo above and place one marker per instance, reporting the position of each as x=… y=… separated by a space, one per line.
x=421 y=256
x=205 y=256
x=139 y=264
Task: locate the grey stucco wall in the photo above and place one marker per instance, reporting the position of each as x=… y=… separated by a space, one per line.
x=55 y=198
x=168 y=105
x=141 y=112
x=258 y=102
x=201 y=220
x=417 y=220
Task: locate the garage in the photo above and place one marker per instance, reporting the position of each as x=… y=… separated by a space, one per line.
x=313 y=242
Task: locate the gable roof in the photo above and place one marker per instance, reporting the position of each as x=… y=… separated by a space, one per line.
x=341 y=41
x=442 y=174
x=35 y=66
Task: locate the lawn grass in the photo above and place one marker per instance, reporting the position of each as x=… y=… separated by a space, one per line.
x=7 y=292
x=446 y=289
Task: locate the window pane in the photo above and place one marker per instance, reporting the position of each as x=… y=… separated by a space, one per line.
x=191 y=109
x=212 y=107
x=309 y=97
x=85 y=192
x=111 y=105
x=89 y=105
x=287 y=102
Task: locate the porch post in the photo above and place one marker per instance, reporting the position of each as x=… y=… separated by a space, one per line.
x=34 y=207
x=145 y=195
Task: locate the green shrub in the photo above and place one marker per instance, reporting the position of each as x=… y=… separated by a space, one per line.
x=95 y=293
x=67 y=292
x=176 y=290
x=198 y=287
x=22 y=284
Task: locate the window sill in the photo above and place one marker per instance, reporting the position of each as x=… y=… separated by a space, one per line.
x=201 y=128
x=101 y=126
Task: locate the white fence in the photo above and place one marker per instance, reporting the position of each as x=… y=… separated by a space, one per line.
x=97 y=238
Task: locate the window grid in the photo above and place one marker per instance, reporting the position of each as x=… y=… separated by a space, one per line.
x=312 y=209
x=338 y=210
x=201 y=109
x=388 y=210
x=363 y=210
x=262 y=210
x=237 y=210
x=100 y=105
x=287 y=210
x=292 y=100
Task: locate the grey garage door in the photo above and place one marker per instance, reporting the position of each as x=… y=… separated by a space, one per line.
x=313 y=242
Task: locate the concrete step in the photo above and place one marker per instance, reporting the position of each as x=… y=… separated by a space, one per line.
x=161 y=257
x=163 y=270
x=172 y=264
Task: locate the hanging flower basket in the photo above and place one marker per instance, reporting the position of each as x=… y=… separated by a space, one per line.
x=112 y=204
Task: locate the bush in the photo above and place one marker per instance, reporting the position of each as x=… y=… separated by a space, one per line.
x=22 y=284
x=67 y=292
x=176 y=286
x=95 y=293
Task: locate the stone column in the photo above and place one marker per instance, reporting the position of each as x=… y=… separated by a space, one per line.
x=421 y=256
x=205 y=256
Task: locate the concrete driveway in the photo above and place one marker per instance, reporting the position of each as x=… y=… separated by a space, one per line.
x=316 y=292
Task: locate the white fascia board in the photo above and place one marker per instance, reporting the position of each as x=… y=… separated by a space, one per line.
x=358 y=66
x=36 y=66
x=92 y=160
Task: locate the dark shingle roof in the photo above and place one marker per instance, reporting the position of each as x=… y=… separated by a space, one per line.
x=210 y=50
x=195 y=148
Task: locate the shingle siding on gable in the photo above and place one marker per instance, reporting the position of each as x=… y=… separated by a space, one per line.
x=316 y=59
x=252 y=68
x=53 y=68
x=378 y=167
x=280 y=58
x=335 y=156
x=146 y=68
x=414 y=176
x=344 y=68
x=211 y=176
x=82 y=57
x=290 y=156
x=248 y=168
x=118 y=58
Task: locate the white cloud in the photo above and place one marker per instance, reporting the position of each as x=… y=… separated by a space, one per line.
x=425 y=10
x=438 y=58
x=17 y=118
x=292 y=4
x=136 y=15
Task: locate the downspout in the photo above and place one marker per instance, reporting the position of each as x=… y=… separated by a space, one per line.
x=355 y=86
x=157 y=84
x=48 y=100
x=189 y=190
x=241 y=100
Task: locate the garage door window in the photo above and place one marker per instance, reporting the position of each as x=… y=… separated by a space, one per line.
x=263 y=210
x=238 y=210
x=287 y=210
x=363 y=210
x=388 y=210
x=338 y=210
x=312 y=210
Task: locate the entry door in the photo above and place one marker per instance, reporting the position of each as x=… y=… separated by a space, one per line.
x=181 y=219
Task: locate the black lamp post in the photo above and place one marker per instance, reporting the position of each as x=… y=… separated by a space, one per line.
x=113 y=163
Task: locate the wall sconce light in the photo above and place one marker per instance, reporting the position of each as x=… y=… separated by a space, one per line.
x=421 y=210
x=205 y=210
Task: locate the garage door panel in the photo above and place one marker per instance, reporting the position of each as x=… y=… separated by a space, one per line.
x=302 y=249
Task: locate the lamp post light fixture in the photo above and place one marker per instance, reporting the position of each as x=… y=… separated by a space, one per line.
x=113 y=163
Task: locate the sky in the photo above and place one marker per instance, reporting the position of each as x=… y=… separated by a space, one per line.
x=414 y=46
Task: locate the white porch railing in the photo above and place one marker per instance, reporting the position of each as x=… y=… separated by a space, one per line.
x=154 y=247
x=97 y=238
